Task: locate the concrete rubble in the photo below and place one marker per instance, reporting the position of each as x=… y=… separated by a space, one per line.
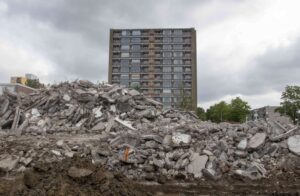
x=127 y=132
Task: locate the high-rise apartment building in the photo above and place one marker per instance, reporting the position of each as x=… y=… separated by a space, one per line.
x=161 y=63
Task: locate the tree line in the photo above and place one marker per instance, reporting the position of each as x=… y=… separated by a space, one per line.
x=238 y=110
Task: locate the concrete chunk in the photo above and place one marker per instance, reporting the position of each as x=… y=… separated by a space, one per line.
x=294 y=144
x=197 y=164
x=257 y=140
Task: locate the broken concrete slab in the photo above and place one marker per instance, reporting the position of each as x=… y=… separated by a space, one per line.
x=8 y=162
x=257 y=141
x=197 y=164
x=294 y=144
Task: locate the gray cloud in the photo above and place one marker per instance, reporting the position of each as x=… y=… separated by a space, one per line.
x=72 y=35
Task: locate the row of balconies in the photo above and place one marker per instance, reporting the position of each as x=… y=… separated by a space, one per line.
x=151 y=40
x=151 y=54
x=117 y=48
x=154 y=77
x=146 y=33
x=152 y=70
x=155 y=62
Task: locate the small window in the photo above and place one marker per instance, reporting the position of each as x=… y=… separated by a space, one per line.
x=135 y=76
x=177 y=76
x=124 y=69
x=178 y=84
x=167 y=83
x=167 y=90
x=124 y=82
x=167 y=76
x=177 y=69
x=177 y=62
x=125 y=33
x=124 y=76
x=136 y=40
x=125 y=40
x=178 y=32
x=167 y=39
x=167 y=69
x=167 y=54
x=125 y=54
x=178 y=39
x=136 y=54
x=136 y=62
x=167 y=47
x=167 y=99
x=135 y=69
x=177 y=54
x=124 y=62
x=178 y=47
x=167 y=32
x=136 y=32
x=135 y=47
x=125 y=47
x=167 y=61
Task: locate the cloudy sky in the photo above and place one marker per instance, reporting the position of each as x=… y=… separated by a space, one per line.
x=246 y=48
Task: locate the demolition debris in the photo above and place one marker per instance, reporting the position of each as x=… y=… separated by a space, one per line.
x=126 y=132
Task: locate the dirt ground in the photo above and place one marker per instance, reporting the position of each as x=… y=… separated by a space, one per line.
x=54 y=179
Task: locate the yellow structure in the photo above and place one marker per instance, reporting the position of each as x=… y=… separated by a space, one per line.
x=18 y=80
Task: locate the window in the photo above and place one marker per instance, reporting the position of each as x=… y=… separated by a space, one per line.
x=124 y=82
x=178 y=84
x=178 y=32
x=136 y=40
x=167 y=61
x=124 y=76
x=176 y=92
x=177 y=39
x=136 y=54
x=177 y=69
x=124 y=69
x=167 y=54
x=135 y=76
x=124 y=33
x=125 y=47
x=177 y=54
x=124 y=62
x=167 y=83
x=135 y=69
x=167 y=90
x=135 y=84
x=167 y=69
x=167 y=32
x=167 y=76
x=167 y=39
x=178 y=76
x=135 y=62
x=135 y=47
x=166 y=99
x=136 y=32
x=125 y=40
x=177 y=62
x=115 y=70
x=125 y=54
x=178 y=47
x=167 y=47
x=177 y=99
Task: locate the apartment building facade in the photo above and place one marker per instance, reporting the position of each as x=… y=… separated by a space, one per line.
x=161 y=63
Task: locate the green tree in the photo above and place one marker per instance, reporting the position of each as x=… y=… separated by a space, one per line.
x=186 y=101
x=201 y=113
x=290 y=104
x=238 y=110
x=34 y=84
x=218 y=112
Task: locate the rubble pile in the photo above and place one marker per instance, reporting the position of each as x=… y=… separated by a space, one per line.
x=127 y=132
